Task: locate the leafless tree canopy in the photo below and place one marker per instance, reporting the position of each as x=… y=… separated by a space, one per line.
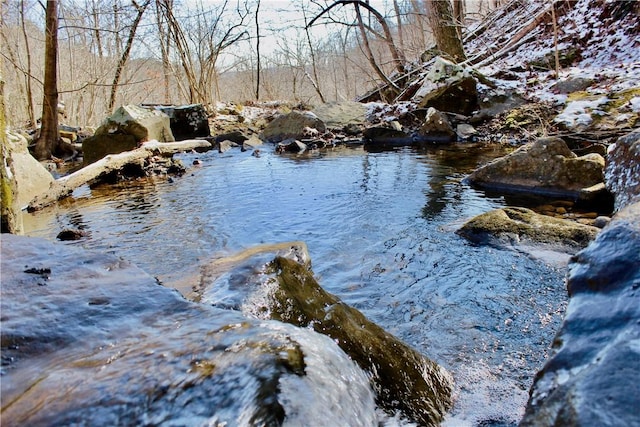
x=114 y=52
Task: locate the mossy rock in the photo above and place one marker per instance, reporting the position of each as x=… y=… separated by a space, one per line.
x=511 y=225
x=403 y=379
x=546 y=167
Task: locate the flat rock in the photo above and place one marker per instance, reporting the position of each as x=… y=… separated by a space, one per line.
x=291 y=125
x=516 y=226
x=338 y=115
x=545 y=166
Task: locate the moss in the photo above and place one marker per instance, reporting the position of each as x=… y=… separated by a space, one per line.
x=10 y=214
x=614 y=108
x=527 y=225
x=403 y=379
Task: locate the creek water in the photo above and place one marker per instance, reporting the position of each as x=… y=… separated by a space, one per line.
x=380 y=228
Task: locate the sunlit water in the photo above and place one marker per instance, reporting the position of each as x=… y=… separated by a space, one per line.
x=380 y=231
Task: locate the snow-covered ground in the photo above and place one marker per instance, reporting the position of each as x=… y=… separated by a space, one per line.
x=602 y=36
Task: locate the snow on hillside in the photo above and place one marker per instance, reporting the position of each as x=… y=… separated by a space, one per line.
x=599 y=38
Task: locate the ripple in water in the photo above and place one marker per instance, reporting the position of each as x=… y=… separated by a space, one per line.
x=379 y=227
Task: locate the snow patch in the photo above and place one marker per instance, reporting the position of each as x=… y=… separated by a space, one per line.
x=579 y=113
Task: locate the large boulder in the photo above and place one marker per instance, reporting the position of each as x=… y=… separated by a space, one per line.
x=291 y=125
x=381 y=137
x=340 y=115
x=546 y=166
x=30 y=176
x=90 y=339
x=593 y=375
x=96 y=147
x=287 y=291
x=143 y=123
x=622 y=173
x=187 y=121
x=128 y=123
x=448 y=87
x=513 y=225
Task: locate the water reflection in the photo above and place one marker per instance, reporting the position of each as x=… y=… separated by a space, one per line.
x=379 y=230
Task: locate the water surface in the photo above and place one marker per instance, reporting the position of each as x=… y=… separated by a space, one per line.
x=380 y=231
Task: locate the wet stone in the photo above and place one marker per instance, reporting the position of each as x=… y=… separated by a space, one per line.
x=102 y=342
x=593 y=376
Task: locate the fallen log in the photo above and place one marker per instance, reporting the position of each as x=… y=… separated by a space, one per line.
x=92 y=173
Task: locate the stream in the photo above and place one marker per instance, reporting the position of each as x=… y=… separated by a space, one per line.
x=380 y=231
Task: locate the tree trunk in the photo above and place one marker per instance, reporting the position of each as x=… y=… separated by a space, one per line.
x=96 y=29
x=442 y=23
x=27 y=77
x=458 y=15
x=63 y=187
x=372 y=60
x=258 y=67
x=10 y=212
x=48 y=140
x=396 y=8
x=125 y=55
x=314 y=80
x=165 y=39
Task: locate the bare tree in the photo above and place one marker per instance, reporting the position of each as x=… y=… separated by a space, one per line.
x=165 y=44
x=458 y=15
x=200 y=41
x=444 y=29
x=314 y=63
x=27 y=77
x=397 y=55
x=258 y=65
x=125 y=54
x=48 y=141
x=396 y=8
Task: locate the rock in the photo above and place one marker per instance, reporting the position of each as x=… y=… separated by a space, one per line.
x=352 y=129
x=96 y=147
x=601 y=221
x=287 y=291
x=90 y=337
x=236 y=137
x=226 y=145
x=187 y=121
x=448 y=87
x=386 y=137
x=593 y=375
x=465 y=131
x=493 y=102
x=144 y=124
x=436 y=127
x=291 y=125
x=291 y=146
x=69 y=132
x=251 y=143
x=513 y=226
x=126 y=129
x=545 y=166
x=622 y=173
x=70 y=234
x=338 y=115
x=572 y=84
x=31 y=178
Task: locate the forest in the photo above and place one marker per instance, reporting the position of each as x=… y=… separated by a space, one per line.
x=183 y=52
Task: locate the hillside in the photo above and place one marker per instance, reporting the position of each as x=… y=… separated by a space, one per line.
x=595 y=91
